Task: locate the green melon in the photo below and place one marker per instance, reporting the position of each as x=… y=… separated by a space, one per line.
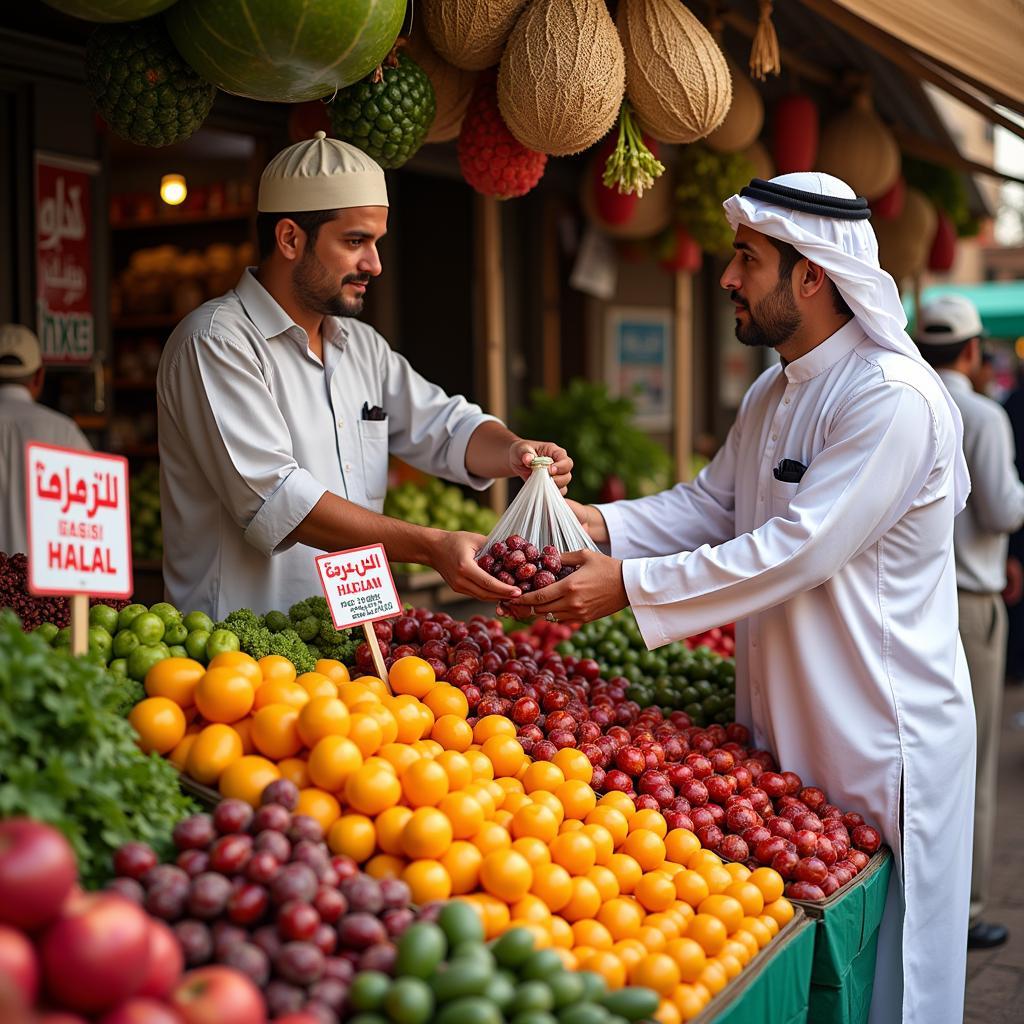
x=285 y=51
x=110 y=10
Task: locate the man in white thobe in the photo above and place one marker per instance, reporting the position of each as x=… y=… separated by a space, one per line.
x=824 y=527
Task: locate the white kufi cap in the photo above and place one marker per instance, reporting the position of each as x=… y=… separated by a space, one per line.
x=321 y=174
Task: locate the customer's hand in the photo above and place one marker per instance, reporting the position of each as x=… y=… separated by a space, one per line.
x=522 y=453
x=454 y=557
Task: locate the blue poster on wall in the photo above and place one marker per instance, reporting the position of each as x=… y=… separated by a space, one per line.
x=639 y=362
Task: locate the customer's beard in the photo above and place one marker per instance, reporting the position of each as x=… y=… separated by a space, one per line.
x=318 y=291
x=772 y=321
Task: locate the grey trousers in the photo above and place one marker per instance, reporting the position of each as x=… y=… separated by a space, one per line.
x=983 y=632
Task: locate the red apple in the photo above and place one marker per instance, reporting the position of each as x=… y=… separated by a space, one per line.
x=785 y=862
x=37 y=873
x=858 y=859
x=740 y=817
x=811 y=869
x=806 y=842
x=695 y=791
x=18 y=962
x=867 y=839
x=780 y=827
x=166 y=961
x=793 y=782
x=804 y=891
x=141 y=1010
x=218 y=995
x=813 y=797
x=753 y=836
x=734 y=848
x=710 y=837
x=829 y=885
x=773 y=784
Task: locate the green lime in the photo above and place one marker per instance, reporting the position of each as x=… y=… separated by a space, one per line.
x=195 y=644
x=584 y=1013
x=473 y=952
x=198 y=620
x=175 y=633
x=469 y=1010
x=149 y=628
x=502 y=990
x=101 y=642
x=420 y=949
x=221 y=640
x=62 y=638
x=540 y=965
x=566 y=988
x=166 y=611
x=105 y=616
x=631 y=1003
x=534 y=996
x=594 y=986
x=128 y=614
x=512 y=948
x=460 y=923
x=177 y=651
x=460 y=978
x=47 y=630
x=142 y=659
x=119 y=667
x=534 y=1017
x=124 y=643
x=368 y=990
x=409 y=1001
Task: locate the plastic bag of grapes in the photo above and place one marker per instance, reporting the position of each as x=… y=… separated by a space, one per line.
x=525 y=547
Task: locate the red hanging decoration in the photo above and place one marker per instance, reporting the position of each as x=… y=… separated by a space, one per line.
x=610 y=205
x=891 y=204
x=679 y=252
x=943 y=251
x=794 y=134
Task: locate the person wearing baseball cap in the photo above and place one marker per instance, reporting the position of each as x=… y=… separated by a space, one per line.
x=949 y=336
x=277 y=408
x=23 y=419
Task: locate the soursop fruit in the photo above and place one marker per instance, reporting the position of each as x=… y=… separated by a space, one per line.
x=386 y=119
x=142 y=87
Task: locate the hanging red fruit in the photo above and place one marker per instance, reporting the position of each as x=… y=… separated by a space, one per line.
x=794 y=134
x=891 y=204
x=679 y=252
x=490 y=158
x=943 y=251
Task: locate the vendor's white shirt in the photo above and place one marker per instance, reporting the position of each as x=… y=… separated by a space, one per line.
x=995 y=508
x=23 y=420
x=254 y=429
x=843 y=585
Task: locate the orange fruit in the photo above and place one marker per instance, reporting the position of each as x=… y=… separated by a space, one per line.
x=457 y=767
x=574 y=764
x=667 y=1013
x=731 y=964
x=506 y=875
x=176 y=679
x=399 y=755
x=535 y=820
x=621 y=917
x=709 y=931
x=383 y=865
x=589 y=932
x=427 y=879
x=651 y=820
x=481 y=765
x=426 y=722
x=655 y=891
x=584 y=902
x=690 y=1000
x=445 y=699
x=626 y=870
x=574 y=851
x=541 y=776
x=295 y=770
x=427 y=833
x=749 y=896
x=243 y=664
x=377 y=687
x=552 y=884
x=244 y=729
x=533 y=849
x=739 y=872
x=332 y=761
x=570 y=825
x=322 y=717
x=428 y=748
x=654 y=940
x=160 y=724
x=665 y=923
x=365 y=732
x=216 y=747
x=424 y=783
x=491 y=837
x=246 y=778
x=505 y=753
x=316 y=684
x=319 y=805
x=386 y=721
x=647 y=848
x=335 y=670
x=493 y=725
x=372 y=789
x=576 y=797
x=780 y=910
x=413 y=676
x=614 y=821
x=274 y=666
x=714 y=977
x=354 y=836
x=607 y=965
x=275 y=731
x=389 y=825
x=224 y=694
x=701 y=859
x=462 y=861
x=179 y=755
x=691 y=887
x=605 y=880
x=604 y=845
x=530 y=909
x=479 y=792
x=561 y=933
x=452 y=732
x=280 y=691
x=496 y=915
x=463 y=811
x=689 y=956
x=680 y=845
x=406 y=712
x=551 y=802
x=739 y=948
x=717 y=877
x=657 y=971
x=759 y=929
x=769 y=882
x=513 y=802
x=619 y=801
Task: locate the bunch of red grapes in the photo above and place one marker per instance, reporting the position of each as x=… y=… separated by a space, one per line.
x=519 y=563
x=259 y=891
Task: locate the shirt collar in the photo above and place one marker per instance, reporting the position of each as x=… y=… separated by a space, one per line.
x=955 y=380
x=15 y=392
x=271 y=320
x=824 y=356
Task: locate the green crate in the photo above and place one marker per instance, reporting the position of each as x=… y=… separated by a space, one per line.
x=773 y=989
x=846 y=943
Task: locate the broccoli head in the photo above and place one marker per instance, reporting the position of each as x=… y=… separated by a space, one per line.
x=315 y=606
x=290 y=645
x=338 y=644
x=307 y=628
x=277 y=622
x=253 y=635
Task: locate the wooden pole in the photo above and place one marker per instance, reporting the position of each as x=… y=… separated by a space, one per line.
x=492 y=294
x=79 y=623
x=551 y=323
x=375 y=651
x=682 y=371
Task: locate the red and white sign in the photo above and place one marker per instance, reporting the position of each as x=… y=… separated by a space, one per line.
x=64 y=259
x=358 y=585
x=79 y=538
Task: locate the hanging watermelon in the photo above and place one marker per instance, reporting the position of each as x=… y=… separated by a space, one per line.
x=794 y=134
x=110 y=10
x=943 y=251
x=285 y=51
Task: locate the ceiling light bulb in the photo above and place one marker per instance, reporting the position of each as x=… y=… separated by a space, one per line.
x=173 y=189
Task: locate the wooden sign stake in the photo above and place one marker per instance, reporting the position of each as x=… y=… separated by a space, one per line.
x=79 y=623
x=378 y=657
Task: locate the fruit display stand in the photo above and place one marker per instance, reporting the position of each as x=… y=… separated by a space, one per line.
x=845 y=945
x=774 y=989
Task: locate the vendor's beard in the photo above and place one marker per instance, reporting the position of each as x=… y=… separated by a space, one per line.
x=772 y=321
x=319 y=291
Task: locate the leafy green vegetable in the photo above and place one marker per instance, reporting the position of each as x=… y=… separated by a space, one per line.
x=946 y=189
x=68 y=758
x=704 y=180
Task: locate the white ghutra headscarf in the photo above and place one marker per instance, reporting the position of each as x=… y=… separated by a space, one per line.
x=825 y=221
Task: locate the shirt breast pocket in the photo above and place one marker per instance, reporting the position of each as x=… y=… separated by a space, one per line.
x=373 y=442
x=782 y=493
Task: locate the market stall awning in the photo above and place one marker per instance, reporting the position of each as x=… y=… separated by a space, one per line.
x=980 y=41
x=1000 y=304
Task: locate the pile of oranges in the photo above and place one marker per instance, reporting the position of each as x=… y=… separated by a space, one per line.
x=403 y=784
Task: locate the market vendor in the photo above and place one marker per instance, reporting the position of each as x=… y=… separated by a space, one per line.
x=824 y=527
x=278 y=410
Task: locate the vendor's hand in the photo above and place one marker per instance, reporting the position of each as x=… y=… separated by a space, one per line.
x=593 y=591
x=522 y=453
x=591 y=520
x=454 y=557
